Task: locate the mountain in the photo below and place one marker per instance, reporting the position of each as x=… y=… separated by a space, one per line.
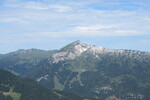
x=14 y=88
x=91 y=71
x=22 y=60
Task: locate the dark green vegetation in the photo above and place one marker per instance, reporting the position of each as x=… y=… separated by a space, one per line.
x=86 y=71
x=14 y=88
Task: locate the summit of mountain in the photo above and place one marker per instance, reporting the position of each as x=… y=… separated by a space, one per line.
x=73 y=50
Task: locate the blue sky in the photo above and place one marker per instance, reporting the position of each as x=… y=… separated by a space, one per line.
x=52 y=24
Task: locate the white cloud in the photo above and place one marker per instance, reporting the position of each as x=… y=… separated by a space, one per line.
x=35 y=5
x=31 y=23
x=59 y=20
x=12 y=20
x=60 y=8
x=147 y=19
x=40 y=6
x=94 y=33
x=128 y=32
x=94 y=28
x=81 y=23
x=7 y=20
x=12 y=5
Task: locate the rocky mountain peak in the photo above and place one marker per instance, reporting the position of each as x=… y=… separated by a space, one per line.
x=76 y=42
x=73 y=50
x=70 y=52
x=76 y=47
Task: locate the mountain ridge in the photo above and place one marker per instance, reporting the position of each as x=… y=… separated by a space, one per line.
x=87 y=70
x=72 y=44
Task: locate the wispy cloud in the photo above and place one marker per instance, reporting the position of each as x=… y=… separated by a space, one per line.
x=147 y=19
x=39 y=6
x=48 y=19
x=60 y=8
x=43 y=6
x=94 y=28
x=35 y=5
x=81 y=22
x=128 y=32
x=12 y=20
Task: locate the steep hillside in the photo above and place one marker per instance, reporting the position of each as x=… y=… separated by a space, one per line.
x=15 y=88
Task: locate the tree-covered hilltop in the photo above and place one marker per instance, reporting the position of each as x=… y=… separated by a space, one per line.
x=14 y=88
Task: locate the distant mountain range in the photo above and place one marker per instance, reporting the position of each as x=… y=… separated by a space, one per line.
x=85 y=70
